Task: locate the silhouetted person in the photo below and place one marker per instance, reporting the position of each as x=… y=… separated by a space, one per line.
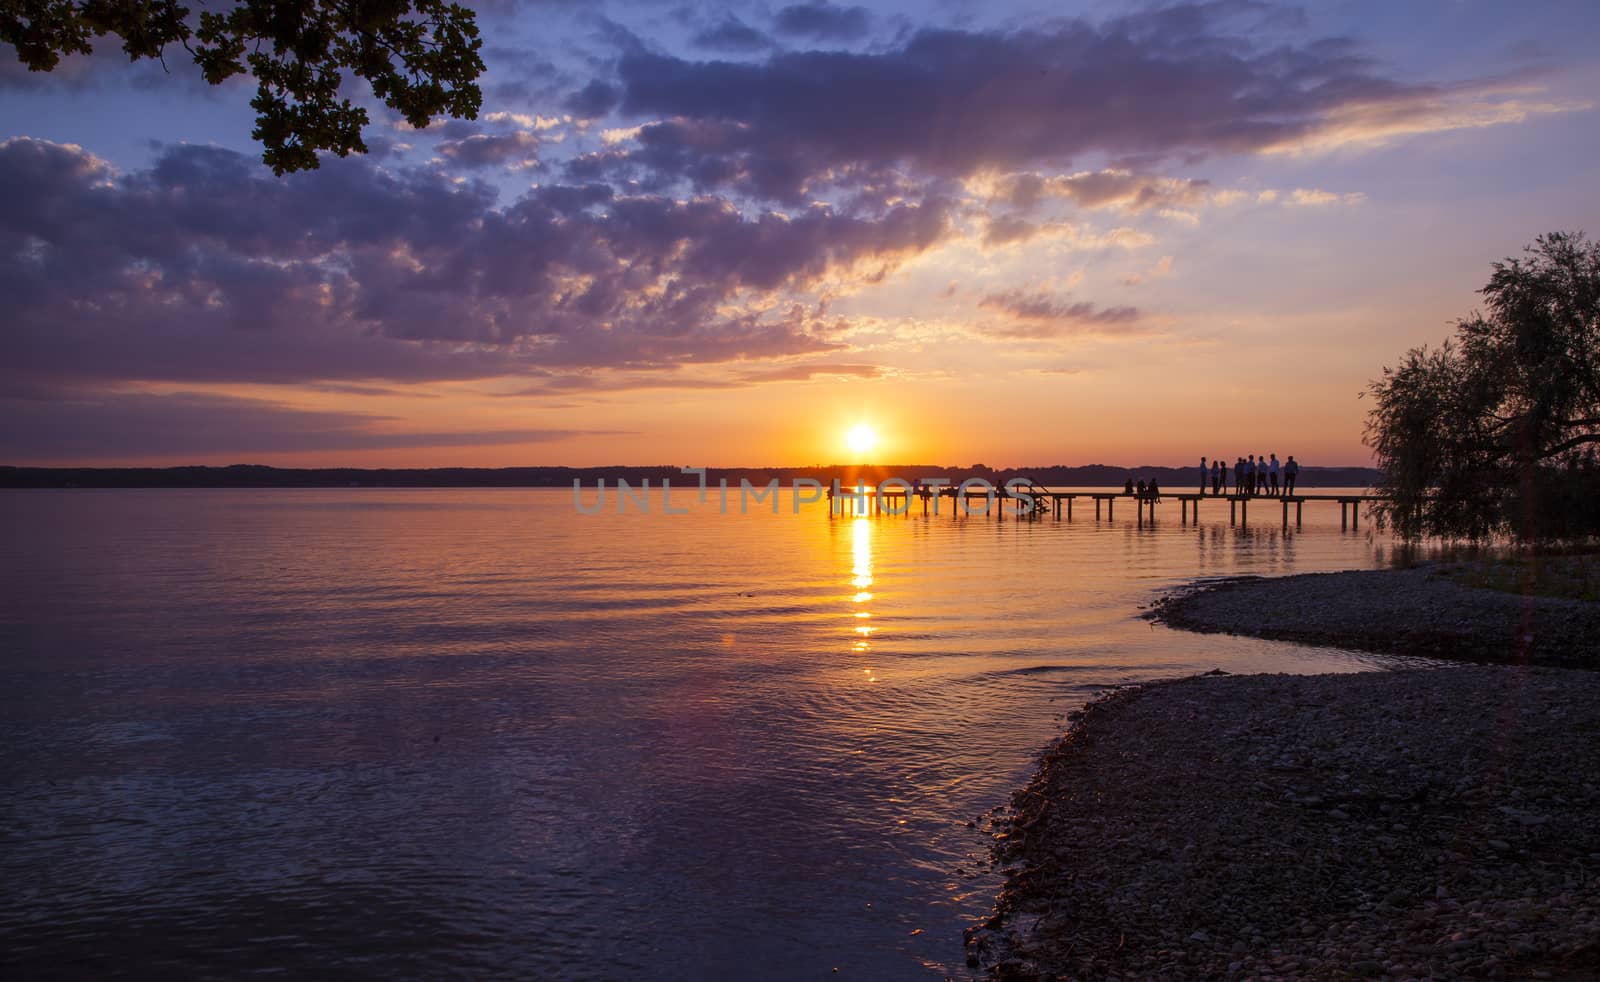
x=1272 y=474
x=1154 y=491
x=1238 y=475
x=1250 y=476
x=1291 y=470
x=1128 y=488
x=1218 y=476
x=1141 y=489
x=1202 y=477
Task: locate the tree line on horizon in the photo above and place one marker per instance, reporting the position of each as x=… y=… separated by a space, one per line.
x=1495 y=431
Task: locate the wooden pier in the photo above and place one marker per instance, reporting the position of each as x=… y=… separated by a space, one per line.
x=896 y=502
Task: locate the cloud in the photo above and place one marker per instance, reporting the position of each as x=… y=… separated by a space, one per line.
x=525 y=121
x=1040 y=315
x=805 y=373
x=1174 y=84
x=732 y=34
x=1005 y=230
x=205 y=268
x=1110 y=188
x=190 y=425
x=1161 y=270
x=517 y=149
x=567 y=383
x=593 y=100
x=823 y=22
x=1316 y=196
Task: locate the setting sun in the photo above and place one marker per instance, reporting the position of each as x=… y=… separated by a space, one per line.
x=861 y=439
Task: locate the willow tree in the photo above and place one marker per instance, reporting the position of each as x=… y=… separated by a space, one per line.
x=419 y=56
x=1495 y=431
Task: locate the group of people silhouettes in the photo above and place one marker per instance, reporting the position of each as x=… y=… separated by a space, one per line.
x=1252 y=476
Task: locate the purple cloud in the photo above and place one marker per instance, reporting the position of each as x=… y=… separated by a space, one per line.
x=823 y=21
x=732 y=34
x=1168 y=84
x=480 y=150
x=206 y=269
x=1040 y=315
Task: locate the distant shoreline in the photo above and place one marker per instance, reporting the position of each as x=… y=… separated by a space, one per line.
x=1418 y=611
x=257 y=476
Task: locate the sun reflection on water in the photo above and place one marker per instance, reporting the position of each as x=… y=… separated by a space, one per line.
x=861 y=579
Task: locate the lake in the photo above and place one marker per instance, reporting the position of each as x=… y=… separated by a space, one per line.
x=372 y=732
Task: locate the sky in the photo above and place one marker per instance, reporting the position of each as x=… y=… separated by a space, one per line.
x=726 y=234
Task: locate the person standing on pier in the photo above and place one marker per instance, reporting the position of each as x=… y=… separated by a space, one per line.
x=1291 y=470
x=1219 y=476
x=1250 y=476
x=1238 y=475
x=1272 y=473
x=1202 y=477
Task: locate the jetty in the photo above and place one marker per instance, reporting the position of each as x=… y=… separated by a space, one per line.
x=1036 y=502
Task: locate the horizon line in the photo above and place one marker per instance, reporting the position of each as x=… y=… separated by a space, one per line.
x=620 y=466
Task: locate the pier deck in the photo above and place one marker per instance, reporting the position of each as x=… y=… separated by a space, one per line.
x=893 y=502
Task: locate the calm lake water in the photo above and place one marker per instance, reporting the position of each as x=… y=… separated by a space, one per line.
x=413 y=732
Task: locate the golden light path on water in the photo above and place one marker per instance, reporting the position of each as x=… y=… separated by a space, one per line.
x=477 y=732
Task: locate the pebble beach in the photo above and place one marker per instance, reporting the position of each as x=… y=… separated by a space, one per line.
x=1422 y=611
x=1435 y=822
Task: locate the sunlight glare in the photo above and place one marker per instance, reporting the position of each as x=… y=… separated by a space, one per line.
x=861 y=439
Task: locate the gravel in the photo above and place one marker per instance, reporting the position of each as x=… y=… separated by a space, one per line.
x=1418 y=611
x=1414 y=824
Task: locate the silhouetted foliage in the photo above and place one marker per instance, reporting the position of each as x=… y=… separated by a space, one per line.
x=420 y=56
x=1495 y=432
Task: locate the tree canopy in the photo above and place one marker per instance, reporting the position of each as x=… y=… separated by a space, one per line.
x=1496 y=430
x=420 y=56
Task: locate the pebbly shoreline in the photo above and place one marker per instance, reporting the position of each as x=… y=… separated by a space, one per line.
x=1435 y=823
x=1417 y=611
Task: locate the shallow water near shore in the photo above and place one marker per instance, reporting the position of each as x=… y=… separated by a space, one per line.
x=369 y=732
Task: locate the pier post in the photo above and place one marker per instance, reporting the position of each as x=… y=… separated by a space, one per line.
x=1233 y=511
x=1097 y=508
x=1069 y=509
x=1355 y=515
x=1111 y=509
x=1184 y=518
x=1344 y=523
x=1286 y=513
x=1299 y=508
x=1244 y=512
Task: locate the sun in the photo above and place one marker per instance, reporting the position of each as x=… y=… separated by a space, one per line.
x=862 y=439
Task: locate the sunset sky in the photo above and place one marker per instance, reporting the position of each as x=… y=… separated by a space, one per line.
x=725 y=234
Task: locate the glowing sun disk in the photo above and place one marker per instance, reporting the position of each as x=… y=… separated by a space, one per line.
x=861 y=439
